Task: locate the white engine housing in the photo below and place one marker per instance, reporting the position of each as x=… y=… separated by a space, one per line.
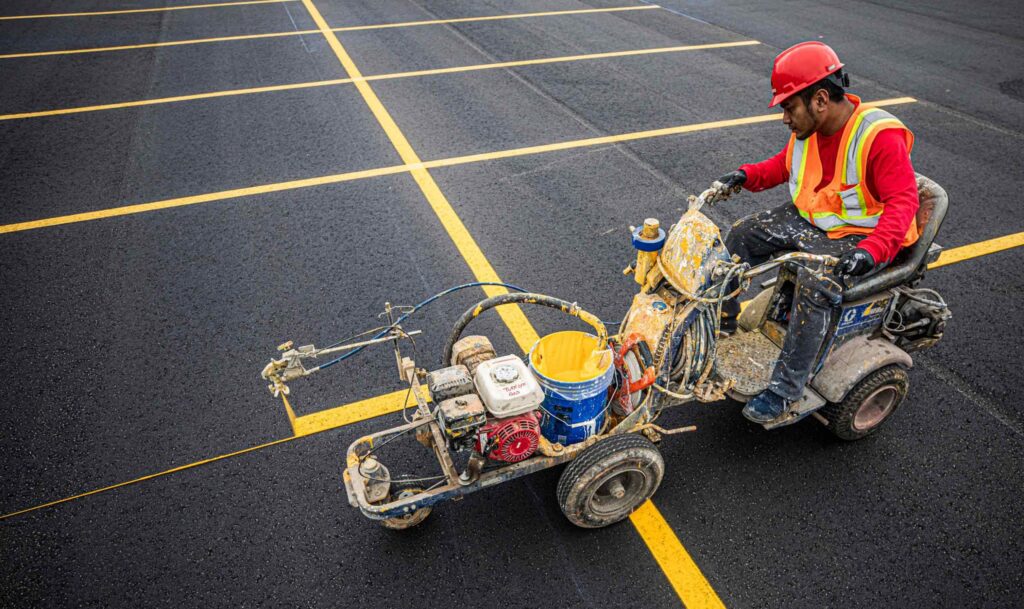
x=507 y=387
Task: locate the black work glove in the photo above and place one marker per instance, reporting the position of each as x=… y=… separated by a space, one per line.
x=855 y=262
x=733 y=180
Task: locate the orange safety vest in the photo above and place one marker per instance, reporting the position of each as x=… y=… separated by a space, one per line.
x=845 y=206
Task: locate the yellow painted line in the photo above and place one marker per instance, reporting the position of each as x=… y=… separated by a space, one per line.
x=353 y=413
x=583 y=11
x=185 y=7
x=304 y=426
x=974 y=250
x=153 y=45
x=680 y=569
x=381 y=26
x=176 y=98
x=563 y=59
x=390 y=76
x=464 y=242
x=391 y=170
x=197 y=199
x=149 y=477
x=518 y=324
x=647 y=518
x=626 y=137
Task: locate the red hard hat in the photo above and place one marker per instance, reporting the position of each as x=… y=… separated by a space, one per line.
x=801 y=66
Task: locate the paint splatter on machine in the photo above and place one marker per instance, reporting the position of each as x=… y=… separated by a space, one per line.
x=593 y=401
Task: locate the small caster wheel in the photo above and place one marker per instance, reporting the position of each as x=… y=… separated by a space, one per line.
x=409 y=520
x=610 y=480
x=869 y=404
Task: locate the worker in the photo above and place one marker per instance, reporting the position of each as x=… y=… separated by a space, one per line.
x=854 y=196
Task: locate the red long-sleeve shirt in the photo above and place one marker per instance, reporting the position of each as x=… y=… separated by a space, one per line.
x=890 y=179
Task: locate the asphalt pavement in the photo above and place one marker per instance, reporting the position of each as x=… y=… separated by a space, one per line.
x=180 y=240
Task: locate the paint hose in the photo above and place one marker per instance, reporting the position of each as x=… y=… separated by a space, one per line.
x=569 y=308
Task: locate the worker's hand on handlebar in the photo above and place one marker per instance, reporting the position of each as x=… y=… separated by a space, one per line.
x=729 y=184
x=855 y=262
x=733 y=180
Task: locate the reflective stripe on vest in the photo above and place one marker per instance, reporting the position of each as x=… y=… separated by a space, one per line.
x=850 y=168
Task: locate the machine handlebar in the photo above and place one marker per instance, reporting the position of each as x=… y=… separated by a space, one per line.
x=822 y=260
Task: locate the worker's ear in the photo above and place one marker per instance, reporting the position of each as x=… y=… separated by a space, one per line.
x=819 y=101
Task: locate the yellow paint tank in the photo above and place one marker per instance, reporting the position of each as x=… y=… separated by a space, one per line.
x=693 y=247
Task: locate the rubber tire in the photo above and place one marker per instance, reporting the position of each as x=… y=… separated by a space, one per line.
x=596 y=465
x=400 y=523
x=840 y=416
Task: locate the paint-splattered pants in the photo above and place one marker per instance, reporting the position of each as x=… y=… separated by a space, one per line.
x=754 y=239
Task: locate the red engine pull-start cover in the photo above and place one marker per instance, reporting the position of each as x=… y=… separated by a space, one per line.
x=512 y=439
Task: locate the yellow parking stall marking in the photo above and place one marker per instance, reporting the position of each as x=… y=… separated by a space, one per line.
x=204 y=198
x=176 y=98
x=351 y=28
x=341 y=81
x=355 y=412
x=644 y=517
x=394 y=169
x=625 y=137
x=680 y=569
x=153 y=45
x=582 y=11
x=982 y=248
x=307 y=425
x=521 y=328
x=149 y=477
x=162 y=9
x=513 y=316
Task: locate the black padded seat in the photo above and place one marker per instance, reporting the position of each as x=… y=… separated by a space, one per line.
x=909 y=261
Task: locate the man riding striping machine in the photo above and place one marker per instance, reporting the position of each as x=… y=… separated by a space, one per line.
x=828 y=336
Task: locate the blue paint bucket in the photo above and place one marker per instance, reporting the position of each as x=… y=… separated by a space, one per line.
x=575 y=373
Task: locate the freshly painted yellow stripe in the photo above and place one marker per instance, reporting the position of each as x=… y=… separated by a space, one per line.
x=646 y=518
x=340 y=81
x=982 y=248
x=142 y=10
x=680 y=569
x=512 y=315
x=394 y=169
x=205 y=198
x=353 y=413
x=149 y=477
x=566 y=58
x=626 y=137
x=176 y=98
x=381 y=26
x=464 y=242
x=153 y=45
x=582 y=11
x=304 y=426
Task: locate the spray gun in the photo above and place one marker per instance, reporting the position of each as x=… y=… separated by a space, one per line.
x=289 y=367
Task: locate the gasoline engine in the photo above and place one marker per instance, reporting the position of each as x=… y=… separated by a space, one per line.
x=487 y=404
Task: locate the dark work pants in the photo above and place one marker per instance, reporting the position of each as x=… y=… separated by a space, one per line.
x=754 y=239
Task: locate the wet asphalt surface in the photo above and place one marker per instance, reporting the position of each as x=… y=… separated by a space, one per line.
x=132 y=345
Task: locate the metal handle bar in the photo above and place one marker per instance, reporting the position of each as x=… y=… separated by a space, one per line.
x=790 y=257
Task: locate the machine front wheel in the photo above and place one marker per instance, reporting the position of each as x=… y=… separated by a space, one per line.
x=407 y=521
x=610 y=480
x=869 y=404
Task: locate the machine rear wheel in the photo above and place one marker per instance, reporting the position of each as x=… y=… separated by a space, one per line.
x=610 y=480
x=869 y=404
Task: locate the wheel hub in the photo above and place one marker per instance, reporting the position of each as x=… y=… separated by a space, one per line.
x=875 y=408
x=618 y=490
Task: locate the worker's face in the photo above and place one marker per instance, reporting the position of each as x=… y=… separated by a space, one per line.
x=804 y=119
